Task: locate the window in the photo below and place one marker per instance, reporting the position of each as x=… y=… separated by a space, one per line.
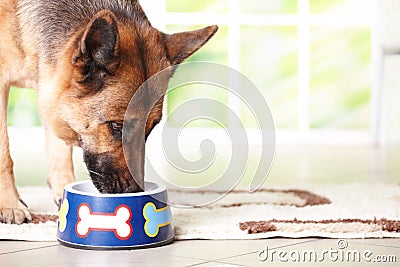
x=313 y=61
x=22 y=108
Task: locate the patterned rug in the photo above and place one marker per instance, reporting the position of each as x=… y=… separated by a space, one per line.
x=333 y=211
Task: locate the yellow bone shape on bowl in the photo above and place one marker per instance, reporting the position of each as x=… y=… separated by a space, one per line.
x=62 y=215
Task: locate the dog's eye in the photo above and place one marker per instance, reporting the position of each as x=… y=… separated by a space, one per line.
x=116 y=126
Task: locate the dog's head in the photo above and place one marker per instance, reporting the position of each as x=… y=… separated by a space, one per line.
x=98 y=73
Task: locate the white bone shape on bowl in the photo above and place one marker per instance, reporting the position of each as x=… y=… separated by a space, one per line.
x=118 y=222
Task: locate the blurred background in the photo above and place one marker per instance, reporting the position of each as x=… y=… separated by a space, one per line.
x=329 y=70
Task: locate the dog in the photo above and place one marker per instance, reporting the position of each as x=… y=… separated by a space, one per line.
x=86 y=59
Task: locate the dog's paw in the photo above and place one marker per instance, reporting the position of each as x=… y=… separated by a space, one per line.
x=15 y=215
x=57 y=201
x=58 y=195
x=57 y=186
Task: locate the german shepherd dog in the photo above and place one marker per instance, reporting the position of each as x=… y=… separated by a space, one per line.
x=86 y=59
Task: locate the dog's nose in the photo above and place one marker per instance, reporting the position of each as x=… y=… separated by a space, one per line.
x=134 y=188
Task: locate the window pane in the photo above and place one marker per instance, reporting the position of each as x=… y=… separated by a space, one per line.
x=22 y=108
x=189 y=92
x=269 y=59
x=340 y=78
x=197 y=6
x=342 y=7
x=268 y=6
x=216 y=49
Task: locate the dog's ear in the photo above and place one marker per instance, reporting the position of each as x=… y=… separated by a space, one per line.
x=181 y=45
x=97 y=51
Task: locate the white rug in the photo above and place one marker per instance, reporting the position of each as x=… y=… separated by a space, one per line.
x=332 y=211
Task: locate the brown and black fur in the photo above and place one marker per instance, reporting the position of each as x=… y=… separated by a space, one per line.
x=86 y=59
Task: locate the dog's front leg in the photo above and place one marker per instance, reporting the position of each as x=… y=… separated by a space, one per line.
x=11 y=208
x=59 y=165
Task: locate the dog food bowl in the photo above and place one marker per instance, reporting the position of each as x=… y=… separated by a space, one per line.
x=90 y=220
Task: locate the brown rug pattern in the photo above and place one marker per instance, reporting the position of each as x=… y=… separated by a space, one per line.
x=42 y=218
x=310 y=199
x=353 y=210
x=255 y=227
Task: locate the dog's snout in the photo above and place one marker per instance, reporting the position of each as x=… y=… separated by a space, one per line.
x=133 y=189
x=114 y=184
x=128 y=184
x=108 y=177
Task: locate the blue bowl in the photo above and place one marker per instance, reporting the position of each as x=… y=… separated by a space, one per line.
x=90 y=220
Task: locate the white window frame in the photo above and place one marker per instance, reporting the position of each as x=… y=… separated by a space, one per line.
x=303 y=20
